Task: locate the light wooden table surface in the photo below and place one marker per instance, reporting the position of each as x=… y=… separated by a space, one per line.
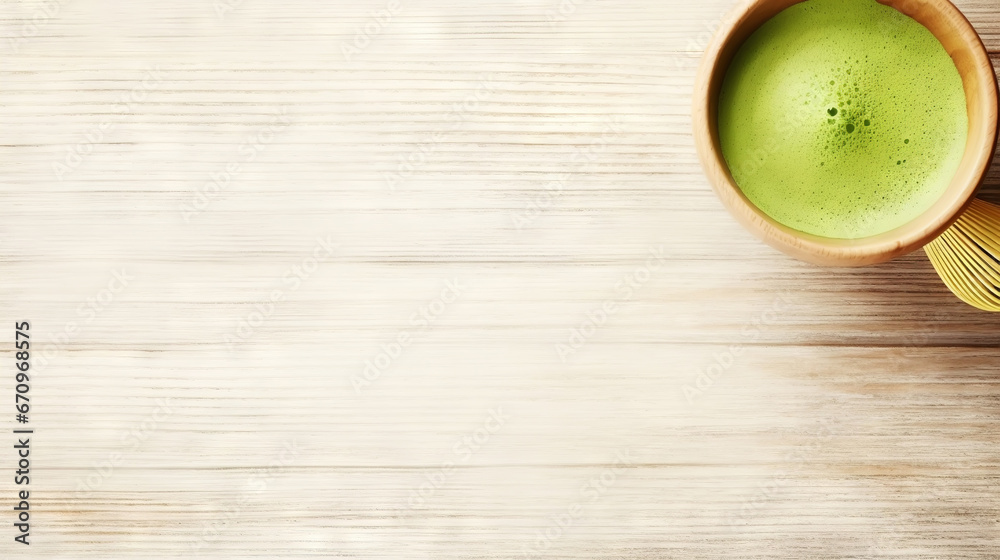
x=215 y=214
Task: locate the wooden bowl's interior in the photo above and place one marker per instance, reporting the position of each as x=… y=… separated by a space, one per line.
x=969 y=55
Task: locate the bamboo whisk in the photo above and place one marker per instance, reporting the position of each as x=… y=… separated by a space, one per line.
x=967 y=256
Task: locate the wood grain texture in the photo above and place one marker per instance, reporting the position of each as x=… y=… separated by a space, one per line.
x=712 y=398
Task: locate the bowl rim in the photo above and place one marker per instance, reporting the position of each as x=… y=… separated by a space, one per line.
x=949 y=25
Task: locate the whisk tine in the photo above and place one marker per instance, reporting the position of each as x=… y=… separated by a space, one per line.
x=967 y=256
x=956 y=280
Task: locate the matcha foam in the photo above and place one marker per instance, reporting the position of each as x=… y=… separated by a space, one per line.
x=843 y=118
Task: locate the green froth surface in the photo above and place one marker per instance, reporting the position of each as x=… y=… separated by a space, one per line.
x=842 y=118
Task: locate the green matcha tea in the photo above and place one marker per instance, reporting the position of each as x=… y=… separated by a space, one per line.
x=842 y=118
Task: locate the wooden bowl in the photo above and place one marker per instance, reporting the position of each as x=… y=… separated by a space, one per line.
x=959 y=38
